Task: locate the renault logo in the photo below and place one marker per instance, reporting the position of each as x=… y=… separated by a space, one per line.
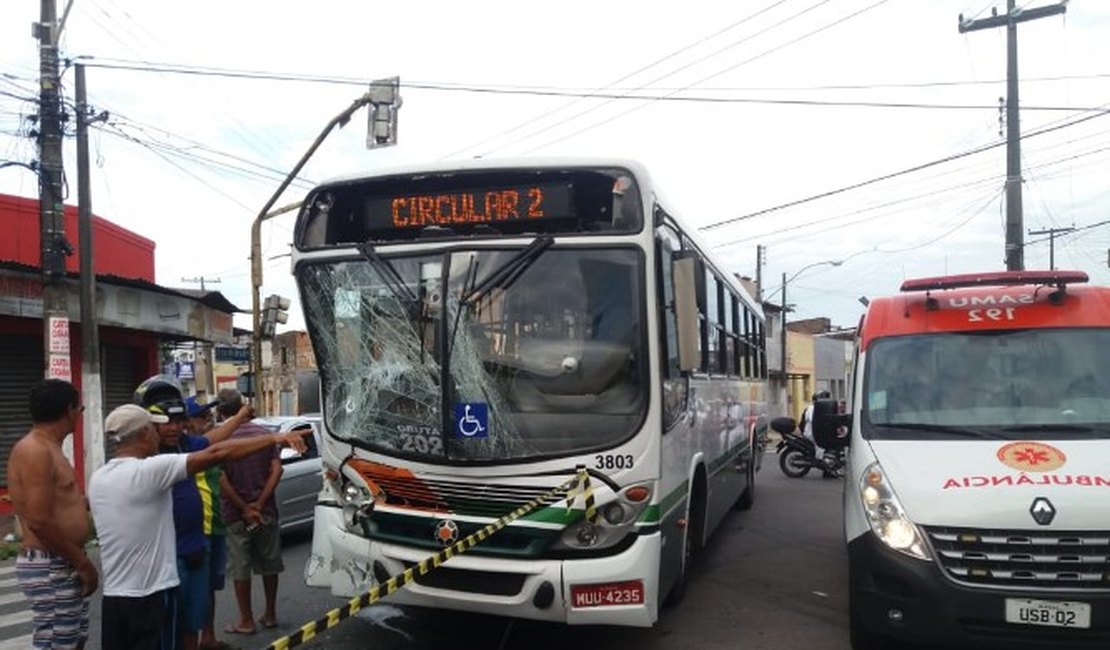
x=1042 y=511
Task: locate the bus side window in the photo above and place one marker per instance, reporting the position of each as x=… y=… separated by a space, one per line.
x=674 y=383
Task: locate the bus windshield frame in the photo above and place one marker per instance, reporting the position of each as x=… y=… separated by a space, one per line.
x=553 y=349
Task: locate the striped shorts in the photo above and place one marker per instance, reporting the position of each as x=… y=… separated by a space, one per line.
x=59 y=614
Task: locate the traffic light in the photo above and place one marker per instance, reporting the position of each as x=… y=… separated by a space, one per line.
x=274 y=311
x=385 y=100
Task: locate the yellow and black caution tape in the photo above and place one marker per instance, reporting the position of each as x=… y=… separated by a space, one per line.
x=575 y=487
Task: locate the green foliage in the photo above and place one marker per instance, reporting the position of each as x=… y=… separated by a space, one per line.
x=8 y=550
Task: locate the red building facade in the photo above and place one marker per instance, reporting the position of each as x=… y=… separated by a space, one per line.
x=135 y=317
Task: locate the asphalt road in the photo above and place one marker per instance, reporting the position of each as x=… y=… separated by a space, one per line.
x=774 y=578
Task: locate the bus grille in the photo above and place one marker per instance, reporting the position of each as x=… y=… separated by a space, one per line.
x=473 y=499
x=1024 y=559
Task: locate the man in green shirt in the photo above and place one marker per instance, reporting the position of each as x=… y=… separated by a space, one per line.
x=208 y=484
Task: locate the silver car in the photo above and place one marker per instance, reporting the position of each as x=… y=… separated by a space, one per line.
x=301 y=479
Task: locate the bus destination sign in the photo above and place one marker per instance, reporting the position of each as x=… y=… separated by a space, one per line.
x=507 y=204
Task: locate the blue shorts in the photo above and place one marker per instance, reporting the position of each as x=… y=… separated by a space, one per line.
x=217 y=561
x=192 y=603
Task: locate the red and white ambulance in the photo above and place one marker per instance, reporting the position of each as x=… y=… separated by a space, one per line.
x=977 y=503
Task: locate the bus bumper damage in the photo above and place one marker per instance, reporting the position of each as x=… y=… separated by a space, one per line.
x=620 y=589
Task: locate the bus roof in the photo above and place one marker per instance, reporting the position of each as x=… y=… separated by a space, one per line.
x=980 y=302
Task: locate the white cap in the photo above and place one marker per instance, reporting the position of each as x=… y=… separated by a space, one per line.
x=129 y=419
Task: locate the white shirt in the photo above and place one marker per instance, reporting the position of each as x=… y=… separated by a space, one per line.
x=807 y=415
x=132 y=505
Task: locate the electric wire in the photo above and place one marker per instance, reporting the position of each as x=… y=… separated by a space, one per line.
x=669 y=74
x=752 y=59
x=136 y=65
x=902 y=172
x=625 y=77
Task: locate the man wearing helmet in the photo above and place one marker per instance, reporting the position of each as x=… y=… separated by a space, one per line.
x=161 y=395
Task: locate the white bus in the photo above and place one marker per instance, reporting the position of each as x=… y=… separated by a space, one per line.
x=484 y=329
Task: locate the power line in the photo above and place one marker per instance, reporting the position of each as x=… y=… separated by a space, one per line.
x=686 y=66
x=902 y=172
x=719 y=72
x=109 y=63
x=698 y=99
x=623 y=78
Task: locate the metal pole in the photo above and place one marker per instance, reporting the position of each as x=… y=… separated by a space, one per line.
x=785 y=391
x=91 y=387
x=256 y=236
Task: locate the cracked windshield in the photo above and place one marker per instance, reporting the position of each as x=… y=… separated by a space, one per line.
x=1007 y=384
x=528 y=353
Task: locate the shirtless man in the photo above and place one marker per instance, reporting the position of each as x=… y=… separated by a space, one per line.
x=52 y=569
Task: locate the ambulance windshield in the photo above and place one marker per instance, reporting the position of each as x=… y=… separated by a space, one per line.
x=1042 y=383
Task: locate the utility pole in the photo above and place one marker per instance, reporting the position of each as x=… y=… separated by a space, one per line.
x=1015 y=260
x=1051 y=232
x=760 y=260
x=91 y=387
x=209 y=365
x=783 y=342
x=53 y=248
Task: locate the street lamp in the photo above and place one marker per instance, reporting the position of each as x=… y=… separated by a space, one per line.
x=785 y=281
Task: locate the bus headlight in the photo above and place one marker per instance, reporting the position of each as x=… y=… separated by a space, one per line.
x=886 y=516
x=616 y=519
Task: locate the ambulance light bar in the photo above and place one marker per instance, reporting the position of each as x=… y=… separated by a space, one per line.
x=1001 y=278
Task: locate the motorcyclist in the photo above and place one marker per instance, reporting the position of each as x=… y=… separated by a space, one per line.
x=806 y=425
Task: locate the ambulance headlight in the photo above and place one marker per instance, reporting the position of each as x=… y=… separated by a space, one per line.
x=886 y=516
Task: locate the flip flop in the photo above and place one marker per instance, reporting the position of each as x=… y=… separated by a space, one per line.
x=269 y=625
x=231 y=628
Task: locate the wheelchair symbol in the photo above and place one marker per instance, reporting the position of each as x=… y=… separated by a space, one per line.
x=471 y=423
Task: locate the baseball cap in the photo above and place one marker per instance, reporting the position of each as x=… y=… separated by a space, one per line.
x=127 y=420
x=194 y=409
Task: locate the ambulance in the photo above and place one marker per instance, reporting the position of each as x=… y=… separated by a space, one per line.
x=977 y=496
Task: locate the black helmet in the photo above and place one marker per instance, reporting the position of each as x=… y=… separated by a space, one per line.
x=161 y=394
x=823 y=395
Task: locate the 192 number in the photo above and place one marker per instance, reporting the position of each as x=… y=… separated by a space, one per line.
x=613 y=461
x=980 y=315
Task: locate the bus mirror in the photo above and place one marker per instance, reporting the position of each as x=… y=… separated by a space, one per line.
x=827 y=424
x=686 y=313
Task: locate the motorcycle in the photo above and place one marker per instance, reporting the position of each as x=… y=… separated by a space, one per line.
x=798 y=454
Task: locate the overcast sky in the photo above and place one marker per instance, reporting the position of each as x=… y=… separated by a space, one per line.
x=188 y=159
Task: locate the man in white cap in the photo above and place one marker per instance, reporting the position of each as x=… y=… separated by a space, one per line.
x=132 y=506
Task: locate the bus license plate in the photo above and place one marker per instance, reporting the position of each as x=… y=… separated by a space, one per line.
x=600 y=595
x=1053 y=613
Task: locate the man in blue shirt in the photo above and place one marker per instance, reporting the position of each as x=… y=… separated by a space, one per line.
x=163 y=396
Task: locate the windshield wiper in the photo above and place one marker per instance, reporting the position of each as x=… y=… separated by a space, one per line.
x=1080 y=428
x=967 y=432
x=389 y=274
x=504 y=276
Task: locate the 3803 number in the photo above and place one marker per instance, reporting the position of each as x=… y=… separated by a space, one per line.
x=613 y=461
